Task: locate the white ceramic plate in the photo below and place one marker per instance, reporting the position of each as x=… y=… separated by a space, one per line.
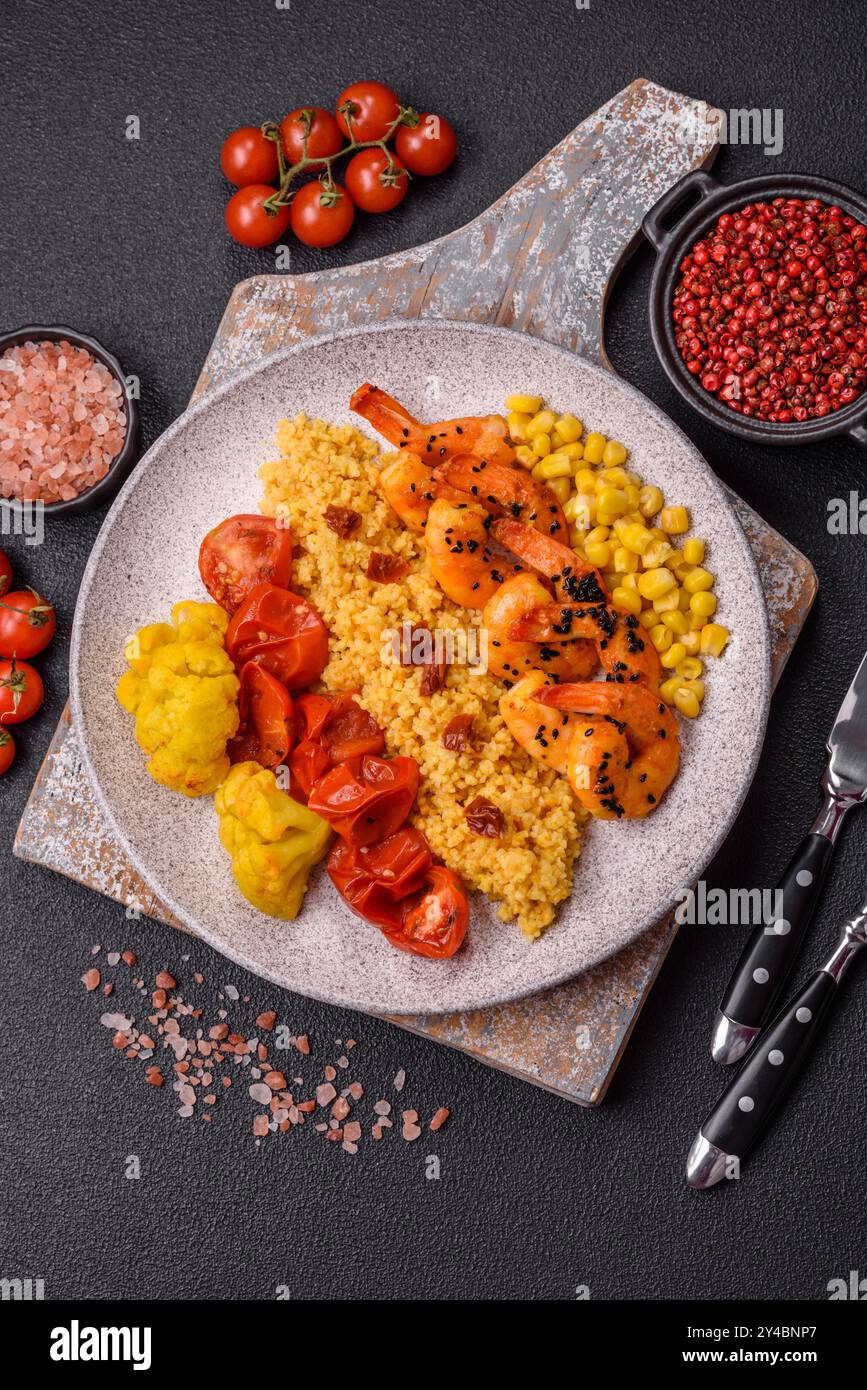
x=203 y=469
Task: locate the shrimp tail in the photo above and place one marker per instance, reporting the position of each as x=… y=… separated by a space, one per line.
x=387 y=416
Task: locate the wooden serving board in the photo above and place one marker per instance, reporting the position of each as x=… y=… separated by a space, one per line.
x=541 y=260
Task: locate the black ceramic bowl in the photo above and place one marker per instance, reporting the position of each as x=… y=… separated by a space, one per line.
x=672 y=243
x=121 y=465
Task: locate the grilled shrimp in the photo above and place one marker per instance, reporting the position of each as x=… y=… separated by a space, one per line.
x=625 y=652
x=510 y=658
x=543 y=732
x=482 y=435
x=460 y=555
x=623 y=749
x=505 y=491
x=410 y=488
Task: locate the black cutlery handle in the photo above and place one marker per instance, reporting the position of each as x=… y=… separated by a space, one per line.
x=771 y=951
x=749 y=1101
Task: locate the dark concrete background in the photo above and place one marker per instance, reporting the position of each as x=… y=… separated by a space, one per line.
x=125 y=240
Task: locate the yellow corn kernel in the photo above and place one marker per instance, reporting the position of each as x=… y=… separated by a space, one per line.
x=627 y=581
x=676 y=621
x=611 y=580
x=680 y=569
x=660 y=637
x=669 y=688
x=657 y=552
x=542 y=422
x=697 y=687
x=585 y=511
x=599 y=533
x=526 y=457
x=634 y=479
x=674 y=520
x=561 y=488
x=683 y=600
x=517 y=422
x=655 y=582
x=627 y=599
x=577 y=537
x=597 y=552
x=690 y=668
x=572 y=509
x=540 y=444
x=696 y=622
x=568 y=428
x=703 y=604
x=666 y=603
x=650 y=501
x=557 y=440
x=554 y=466
x=625 y=561
x=697 y=580
x=686 y=701
x=691 y=641
x=574 y=451
x=648 y=618
x=594 y=447
x=612 y=501
x=633 y=492
x=527 y=405
x=672 y=658
x=635 y=537
x=693 y=551
x=585 y=480
x=614 y=454
x=713 y=639
x=618 y=477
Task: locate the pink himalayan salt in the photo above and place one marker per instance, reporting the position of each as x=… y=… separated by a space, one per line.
x=62 y=421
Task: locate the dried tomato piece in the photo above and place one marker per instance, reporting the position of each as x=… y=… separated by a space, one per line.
x=385 y=569
x=343 y=521
x=484 y=818
x=456 y=734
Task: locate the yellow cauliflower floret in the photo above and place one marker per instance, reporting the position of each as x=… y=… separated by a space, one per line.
x=273 y=840
x=183 y=691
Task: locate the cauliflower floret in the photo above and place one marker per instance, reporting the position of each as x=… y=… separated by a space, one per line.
x=183 y=691
x=273 y=840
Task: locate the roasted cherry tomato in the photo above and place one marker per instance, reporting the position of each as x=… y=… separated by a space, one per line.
x=375 y=880
x=429 y=147
x=7 y=751
x=5 y=572
x=267 y=730
x=374 y=184
x=249 y=222
x=240 y=553
x=247 y=157
x=434 y=922
x=369 y=804
x=21 y=691
x=308 y=761
x=320 y=215
x=27 y=623
x=322 y=131
x=281 y=631
x=349 y=731
x=370 y=108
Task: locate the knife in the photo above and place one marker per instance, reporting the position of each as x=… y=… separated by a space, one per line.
x=749 y=1101
x=773 y=947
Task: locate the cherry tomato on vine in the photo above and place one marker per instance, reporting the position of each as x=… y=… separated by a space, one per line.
x=375 y=185
x=429 y=147
x=249 y=223
x=321 y=215
x=323 y=133
x=240 y=553
x=21 y=691
x=372 y=109
x=5 y=572
x=247 y=157
x=7 y=751
x=27 y=623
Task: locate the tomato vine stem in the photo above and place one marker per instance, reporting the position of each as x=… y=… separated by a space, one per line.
x=288 y=173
